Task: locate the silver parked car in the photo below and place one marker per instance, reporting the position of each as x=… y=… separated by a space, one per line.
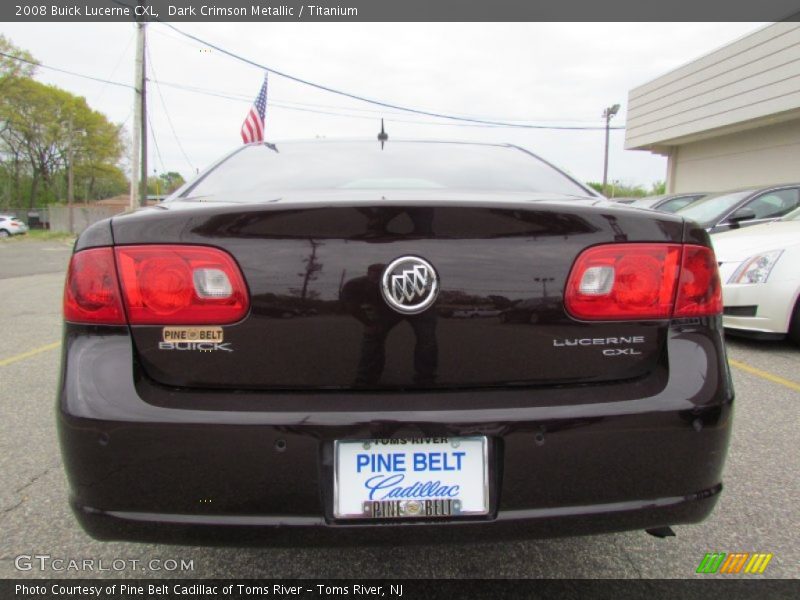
x=10 y=225
x=742 y=208
x=668 y=202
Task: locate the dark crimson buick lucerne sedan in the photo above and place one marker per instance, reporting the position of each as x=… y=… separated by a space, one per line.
x=331 y=342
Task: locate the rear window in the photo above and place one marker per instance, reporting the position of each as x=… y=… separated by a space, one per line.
x=323 y=165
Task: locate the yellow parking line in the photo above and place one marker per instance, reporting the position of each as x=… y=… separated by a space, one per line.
x=12 y=359
x=792 y=385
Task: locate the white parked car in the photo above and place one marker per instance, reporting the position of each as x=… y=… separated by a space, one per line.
x=10 y=225
x=761 y=279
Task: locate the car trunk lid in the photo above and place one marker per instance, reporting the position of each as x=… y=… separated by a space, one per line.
x=318 y=320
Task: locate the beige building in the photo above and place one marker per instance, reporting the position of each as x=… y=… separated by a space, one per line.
x=729 y=119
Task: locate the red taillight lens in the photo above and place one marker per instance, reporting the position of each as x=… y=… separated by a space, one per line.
x=91 y=293
x=189 y=285
x=639 y=281
x=699 y=290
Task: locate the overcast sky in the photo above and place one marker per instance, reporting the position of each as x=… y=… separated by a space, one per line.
x=541 y=72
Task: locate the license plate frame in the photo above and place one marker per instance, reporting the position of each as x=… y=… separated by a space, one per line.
x=474 y=502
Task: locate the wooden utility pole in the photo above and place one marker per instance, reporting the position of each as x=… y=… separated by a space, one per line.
x=607 y=114
x=605 y=155
x=139 y=150
x=70 y=177
x=143 y=180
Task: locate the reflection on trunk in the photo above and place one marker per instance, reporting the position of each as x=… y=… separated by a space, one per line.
x=362 y=299
x=310 y=273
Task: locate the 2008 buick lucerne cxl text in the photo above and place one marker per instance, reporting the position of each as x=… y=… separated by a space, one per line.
x=426 y=342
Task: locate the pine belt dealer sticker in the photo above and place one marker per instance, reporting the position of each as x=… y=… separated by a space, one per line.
x=202 y=339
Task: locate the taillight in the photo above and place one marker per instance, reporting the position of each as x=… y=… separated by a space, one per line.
x=158 y=285
x=189 y=285
x=91 y=293
x=639 y=281
x=699 y=290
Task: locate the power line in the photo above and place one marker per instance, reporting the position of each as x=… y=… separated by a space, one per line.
x=286 y=104
x=370 y=100
x=278 y=104
x=155 y=142
x=289 y=104
x=383 y=112
x=378 y=111
x=130 y=112
x=169 y=36
x=241 y=98
x=38 y=64
x=463 y=121
x=362 y=98
x=166 y=112
x=119 y=62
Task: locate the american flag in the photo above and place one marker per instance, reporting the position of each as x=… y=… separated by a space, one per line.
x=253 y=126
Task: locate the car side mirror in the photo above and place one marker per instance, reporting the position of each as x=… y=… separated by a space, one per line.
x=743 y=214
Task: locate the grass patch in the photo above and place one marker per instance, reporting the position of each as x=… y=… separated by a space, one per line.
x=40 y=235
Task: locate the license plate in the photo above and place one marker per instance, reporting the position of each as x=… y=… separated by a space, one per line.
x=411 y=478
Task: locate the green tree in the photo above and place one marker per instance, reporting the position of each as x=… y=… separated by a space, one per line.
x=44 y=128
x=33 y=115
x=659 y=188
x=172 y=181
x=98 y=146
x=164 y=184
x=12 y=178
x=618 y=190
x=9 y=67
x=102 y=181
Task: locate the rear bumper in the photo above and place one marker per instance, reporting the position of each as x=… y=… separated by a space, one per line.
x=150 y=463
x=315 y=530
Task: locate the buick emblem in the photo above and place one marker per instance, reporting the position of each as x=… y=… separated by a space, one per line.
x=409 y=285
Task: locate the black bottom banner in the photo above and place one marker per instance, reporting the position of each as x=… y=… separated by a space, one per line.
x=616 y=589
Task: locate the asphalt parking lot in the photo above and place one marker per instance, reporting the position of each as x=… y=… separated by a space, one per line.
x=758 y=511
